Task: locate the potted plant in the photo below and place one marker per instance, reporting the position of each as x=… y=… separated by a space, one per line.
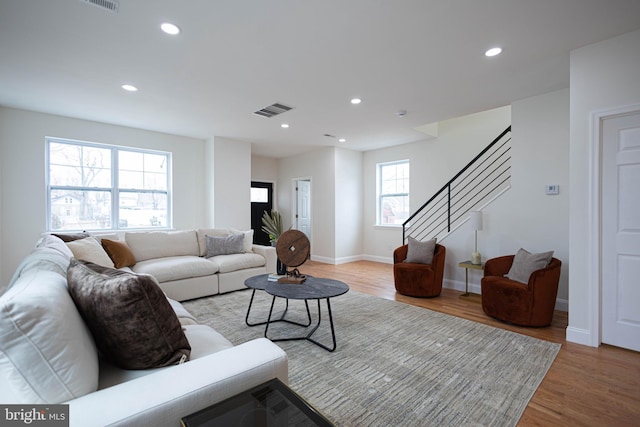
x=272 y=225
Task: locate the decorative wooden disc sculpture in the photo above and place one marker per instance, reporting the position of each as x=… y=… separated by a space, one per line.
x=292 y=249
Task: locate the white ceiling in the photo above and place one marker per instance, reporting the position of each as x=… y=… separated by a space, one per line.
x=237 y=56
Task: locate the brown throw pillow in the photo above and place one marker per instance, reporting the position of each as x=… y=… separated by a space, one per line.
x=128 y=315
x=119 y=253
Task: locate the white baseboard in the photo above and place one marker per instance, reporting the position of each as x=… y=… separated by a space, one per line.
x=336 y=261
x=344 y=260
x=323 y=259
x=375 y=258
x=579 y=336
x=459 y=286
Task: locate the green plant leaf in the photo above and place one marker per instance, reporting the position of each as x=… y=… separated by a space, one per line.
x=272 y=224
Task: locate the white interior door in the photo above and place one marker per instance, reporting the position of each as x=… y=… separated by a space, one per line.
x=621 y=230
x=303 y=207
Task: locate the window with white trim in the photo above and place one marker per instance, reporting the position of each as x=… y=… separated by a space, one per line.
x=393 y=192
x=94 y=186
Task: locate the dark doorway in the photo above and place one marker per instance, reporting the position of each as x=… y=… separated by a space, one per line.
x=261 y=202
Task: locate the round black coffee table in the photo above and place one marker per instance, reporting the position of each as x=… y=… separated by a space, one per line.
x=258 y=283
x=313 y=288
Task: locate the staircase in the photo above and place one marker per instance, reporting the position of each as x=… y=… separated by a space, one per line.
x=486 y=176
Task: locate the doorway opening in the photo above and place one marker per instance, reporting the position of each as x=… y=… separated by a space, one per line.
x=261 y=202
x=302 y=205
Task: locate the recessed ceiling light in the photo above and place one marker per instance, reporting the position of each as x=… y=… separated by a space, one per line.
x=130 y=88
x=342 y=140
x=493 y=51
x=284 y=125
x=170 y=28
x=356 y=101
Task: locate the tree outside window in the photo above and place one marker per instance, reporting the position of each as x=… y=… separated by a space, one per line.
x=96 y=186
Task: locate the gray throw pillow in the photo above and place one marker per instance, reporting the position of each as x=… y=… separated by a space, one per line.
x=233 y=244
x=129 y=316
x=525 y=263
x=420 y=252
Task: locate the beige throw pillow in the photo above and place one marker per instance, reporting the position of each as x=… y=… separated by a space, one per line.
x=248 y=239
x=90 y=249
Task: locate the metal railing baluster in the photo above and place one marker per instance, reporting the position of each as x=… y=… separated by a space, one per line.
x=482 y=177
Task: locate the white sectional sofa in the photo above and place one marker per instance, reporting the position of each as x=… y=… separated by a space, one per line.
x=177 y=259
x=179 y=262
x=49 y=350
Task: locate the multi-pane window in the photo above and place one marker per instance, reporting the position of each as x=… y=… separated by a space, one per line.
x=393 y=192
x=97 y=187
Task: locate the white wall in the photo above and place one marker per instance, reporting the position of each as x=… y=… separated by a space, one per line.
x=349 y=208
x=231 y=195
x=336 y=201
x=2 y=183
x=319 y=167
x=22 y=162
x=432 y=163
x=523 y=217
x=604 y=76
x=264 y=169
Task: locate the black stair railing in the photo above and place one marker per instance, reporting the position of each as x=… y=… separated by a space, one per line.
x=482 y=178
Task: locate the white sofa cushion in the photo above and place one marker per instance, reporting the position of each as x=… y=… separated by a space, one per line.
x=213 y=232
x=175 y=268
x=51 y=253
x=163 y=398
x=47 y=354
x=184 y=316
x=159 y=244
x=90 y=249
x=203 y=340
x=227 y=263
x=56 y=244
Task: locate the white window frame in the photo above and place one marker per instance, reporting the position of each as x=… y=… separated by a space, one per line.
x=380 y=195
x=114 y=190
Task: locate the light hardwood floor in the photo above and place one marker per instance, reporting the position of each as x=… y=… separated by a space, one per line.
x=585 y=386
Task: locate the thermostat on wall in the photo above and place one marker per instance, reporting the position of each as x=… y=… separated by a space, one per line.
x=553 y=189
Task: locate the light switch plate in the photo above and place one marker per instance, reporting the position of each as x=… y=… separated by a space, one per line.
x=553 y=189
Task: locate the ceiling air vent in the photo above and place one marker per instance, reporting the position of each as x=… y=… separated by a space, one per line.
x=273 y=110
x=110 y=5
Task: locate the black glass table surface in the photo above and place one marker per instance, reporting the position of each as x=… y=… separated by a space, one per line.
x=271 y=404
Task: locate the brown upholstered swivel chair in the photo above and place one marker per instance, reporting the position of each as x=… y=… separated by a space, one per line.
x=418 y=280
x=530 y=304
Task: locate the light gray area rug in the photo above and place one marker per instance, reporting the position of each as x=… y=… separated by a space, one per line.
x=395 y=364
